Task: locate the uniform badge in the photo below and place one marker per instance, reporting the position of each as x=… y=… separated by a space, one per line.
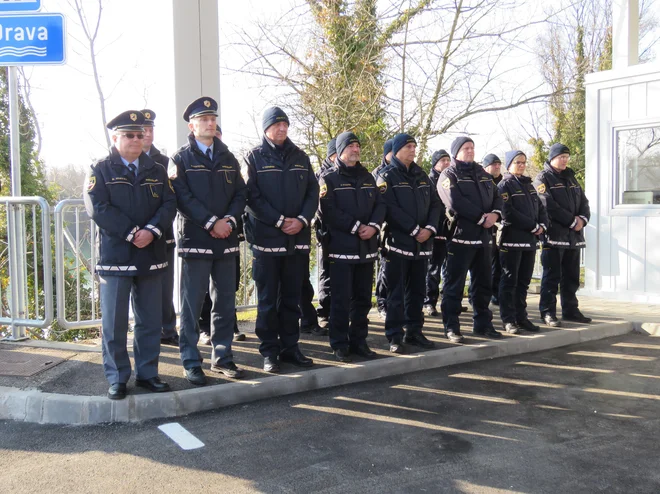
x=207 y=103
x=148 y=115
x=169 y=182
x=541 y=189
x=505 y=196
x=323 y=190
x=446 y=183
x=91 y=183
x=171 y=171
x=382 y=186
x=133 y=116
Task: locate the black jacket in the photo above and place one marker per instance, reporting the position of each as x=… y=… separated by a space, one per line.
x=523 y=213
x=158 y=157
x=443 y=227
x=282 y=185
x=121 y=204
x=564 y=199
x=319 y=228
x=412 y=204
x=349 y=199
x=207 y=190
x=468 y=192
x=376 y=171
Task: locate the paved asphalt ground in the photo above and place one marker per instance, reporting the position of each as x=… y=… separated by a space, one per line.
x=574 y=419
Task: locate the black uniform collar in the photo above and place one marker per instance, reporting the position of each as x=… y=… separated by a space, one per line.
x=282 y=150
x=144 y=161
x=412 y=170
x=352 y=171
x=567 y=173
x=522 y=179
x=154 y=151
x=326 y=164
x=465 y=166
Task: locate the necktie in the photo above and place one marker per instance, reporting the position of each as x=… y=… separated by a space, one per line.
x=132 y=168
x=209 y=154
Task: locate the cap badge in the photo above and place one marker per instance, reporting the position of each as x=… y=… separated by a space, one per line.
x=133 y=117
x=148 y=115
x=207 y=103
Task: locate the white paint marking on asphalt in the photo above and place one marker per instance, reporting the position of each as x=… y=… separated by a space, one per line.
x=177 y=433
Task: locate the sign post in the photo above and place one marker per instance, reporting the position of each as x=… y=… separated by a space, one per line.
x=26 y=39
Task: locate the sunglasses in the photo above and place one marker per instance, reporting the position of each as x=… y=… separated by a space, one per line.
x=131 y=136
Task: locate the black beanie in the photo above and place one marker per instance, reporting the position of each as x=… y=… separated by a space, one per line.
x=400 y=140
x=344 y=140
x=556 y=150
x=387 y=147
x=332 y=148
x=489 y=159
x=438 y=155
x=510 y=156
x=272 y=116
x=458 y=144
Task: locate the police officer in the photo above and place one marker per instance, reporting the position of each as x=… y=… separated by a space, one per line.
x=493 y=165
x=568 y=210
x=168 y=336
x=474 y=206
x=211 y=197
x=413 y=215
x=439 y=161
x=323 y=310
x=129 y=197
x=381 y=287
x=524 y=220
x=284 y=196
x=352 y=211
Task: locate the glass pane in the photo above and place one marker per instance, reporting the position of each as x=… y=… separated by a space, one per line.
x=638 y=163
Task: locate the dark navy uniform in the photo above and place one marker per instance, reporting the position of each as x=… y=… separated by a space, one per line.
x=469 y=193
x=169 y=314
x=523 y=215
x=412 y=204
x=381 y=284
x=282 y=185
x=439 y=253
x=496 y=267
x=349 y=199
x=208 y=189
x=122 y=203
x=564 y=199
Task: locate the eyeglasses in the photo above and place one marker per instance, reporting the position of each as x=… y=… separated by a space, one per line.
x=130 y=136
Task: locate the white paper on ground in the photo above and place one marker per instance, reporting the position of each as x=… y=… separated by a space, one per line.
x=177 y=433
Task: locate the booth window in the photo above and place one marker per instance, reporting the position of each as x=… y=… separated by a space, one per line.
x=638 y=166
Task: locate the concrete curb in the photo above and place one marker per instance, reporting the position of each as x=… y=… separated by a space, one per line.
x=51 y=408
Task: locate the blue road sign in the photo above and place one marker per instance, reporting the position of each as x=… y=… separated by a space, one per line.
x=19 y=5
x=32 y=39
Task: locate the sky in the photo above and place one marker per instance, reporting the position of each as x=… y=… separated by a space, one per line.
x=136 y=67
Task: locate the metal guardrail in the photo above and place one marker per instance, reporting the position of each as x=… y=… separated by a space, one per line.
x=26 y=258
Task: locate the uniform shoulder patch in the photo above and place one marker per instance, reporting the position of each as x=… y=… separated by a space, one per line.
x=446 y=183
x=382 y=184
x=91 y=183
x=172 y=170
x=541 y=188
x=505 y=196
x=169 y=182
x=323 y=189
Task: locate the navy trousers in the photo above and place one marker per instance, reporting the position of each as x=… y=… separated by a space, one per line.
x=279 y=281
x=561 y=269
x=406 y=279
x=434 y=271
x=195 y=274
x=145 y=292
x=517 y=269
x=461 y=259
x=169 y=314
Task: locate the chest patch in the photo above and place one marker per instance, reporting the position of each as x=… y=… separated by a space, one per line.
x=505 y=196
x=541 y=189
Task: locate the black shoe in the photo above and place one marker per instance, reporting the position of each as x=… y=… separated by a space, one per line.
x=418 y=339
x=229 y=369
x=363 y=350
x=239 y=336
x=528 y=325
x=319 y=331
x=171 y=341
x=323 y=322
x=117 y=391
x=195 y=376
x=576 y=317
x=296 y=358
x=305 y=329
x=155 y=385
x=204 y=338
x=396 y=346
x=511 y=328
x=464 y=309
x=382 y=313
x=272 y=365
x=489 y=332
x=454 y=336
x=343 y=354
x=430 y=310
x=551 y=321
x=495 y=301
